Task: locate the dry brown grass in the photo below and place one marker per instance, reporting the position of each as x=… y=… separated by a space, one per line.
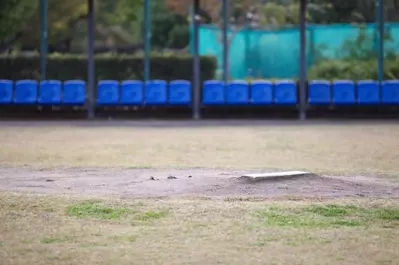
x=327 y=149
x=37 y=230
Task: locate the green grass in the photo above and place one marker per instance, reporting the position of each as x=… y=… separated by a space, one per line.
x=333 y=210
x=96 y=210
x=327 y=216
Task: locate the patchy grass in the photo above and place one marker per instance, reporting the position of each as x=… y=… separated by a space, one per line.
x=55 y=240
x=124 y=238
x=99 y=210
x=387 y=214
x=328 y=216
x=153 y=215
x=96 y=210
x=331 y=149
x=333 y=210
x=197 y=231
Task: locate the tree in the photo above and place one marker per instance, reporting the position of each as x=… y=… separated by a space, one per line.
x=12 y=14
x=62 y=16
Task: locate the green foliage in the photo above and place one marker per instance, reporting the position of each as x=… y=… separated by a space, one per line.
x=352 y=70
x=119 y=21
x=119 y=67
x=168 y=29
x=62 y=16
x=364 y=46
x=12 y=16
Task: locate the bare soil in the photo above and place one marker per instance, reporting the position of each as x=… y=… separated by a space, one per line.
x=186 y=182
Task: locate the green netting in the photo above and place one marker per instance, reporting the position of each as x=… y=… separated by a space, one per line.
x=275 y=54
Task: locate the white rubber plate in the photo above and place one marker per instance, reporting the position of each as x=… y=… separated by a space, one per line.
x=272 y=175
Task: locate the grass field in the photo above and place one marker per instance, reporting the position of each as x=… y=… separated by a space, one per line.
x=82 y=229
x=320 y=148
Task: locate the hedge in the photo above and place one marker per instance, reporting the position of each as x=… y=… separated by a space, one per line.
x=353 y=70
x=117 y=67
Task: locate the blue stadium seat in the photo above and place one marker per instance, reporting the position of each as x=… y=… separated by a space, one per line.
x=213 y=92
x=132 y=92
x=6 y=91
x=390 y=92
x=319 y=92
x=344 y=92
x=368 y=92
x=156 y=92
x=50 y=92
x=262 y=92
x=25 y=92
x=237 y=93
x=285 y=93
x=180 y=92
x=74 y=92
x=108 y=92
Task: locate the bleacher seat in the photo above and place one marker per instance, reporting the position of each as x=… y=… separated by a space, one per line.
x=213 y=92
x=108 y=92
x=6 y=91
x=319 y=92
x=390 y=92
x=262 y=92
x=180 y=92
x=344 y=92
x=368 y=92
x=25 y=92
x=132 y=92
x=285 y=93
x=74 y=92
x=50 y=92
x=156 y=92
x=237 y=93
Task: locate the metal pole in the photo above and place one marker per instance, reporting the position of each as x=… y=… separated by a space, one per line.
x=196 y=62
x=302 y=60
x=246 y=41
x=380 y=23
x=225 y=41
x=147 y=39
x=43 y=39
x=91 y=63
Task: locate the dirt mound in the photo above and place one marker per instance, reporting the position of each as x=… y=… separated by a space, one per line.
x=202 y=182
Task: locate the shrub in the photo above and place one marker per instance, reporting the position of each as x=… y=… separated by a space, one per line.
x=352 y=70
x=118 y=67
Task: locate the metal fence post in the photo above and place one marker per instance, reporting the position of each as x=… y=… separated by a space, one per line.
x=147 y=39
x=43 y=38
x=302 y=60
x=196 y=62
x=380 y=23
x=225 y=40
x=91 y=63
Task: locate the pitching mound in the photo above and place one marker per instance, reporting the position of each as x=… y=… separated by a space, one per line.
x=200 y=182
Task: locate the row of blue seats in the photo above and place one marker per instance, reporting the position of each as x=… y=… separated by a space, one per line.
x=178 y=92
x=109 y=92
x=341 y=92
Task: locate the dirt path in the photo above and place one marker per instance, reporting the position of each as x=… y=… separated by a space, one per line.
x=203 y=182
